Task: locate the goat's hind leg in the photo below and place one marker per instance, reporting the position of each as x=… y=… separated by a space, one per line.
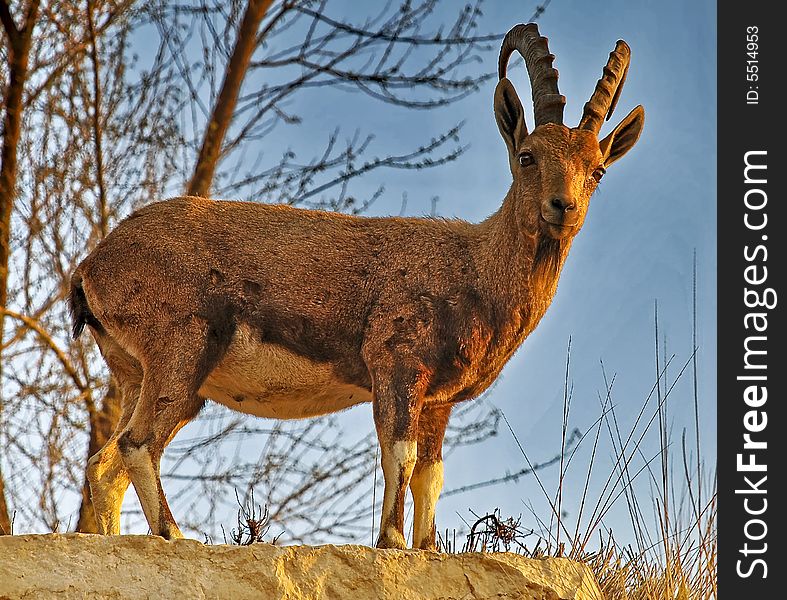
x=109 y=480
x=167 y=401
x=106 y=472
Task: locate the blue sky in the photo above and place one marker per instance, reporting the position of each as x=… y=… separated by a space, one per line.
x=654 y=210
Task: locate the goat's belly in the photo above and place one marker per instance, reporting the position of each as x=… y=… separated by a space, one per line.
x=267 y=380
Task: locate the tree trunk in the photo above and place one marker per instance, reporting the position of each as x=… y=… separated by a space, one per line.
x=228 y=98
x=18 y=46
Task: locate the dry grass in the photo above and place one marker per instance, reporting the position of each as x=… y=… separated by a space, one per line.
x=674 y=554
x=686 y=570
x=676 y=557
x=253 y=523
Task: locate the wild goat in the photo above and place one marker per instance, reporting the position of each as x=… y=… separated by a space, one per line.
x=290 y=313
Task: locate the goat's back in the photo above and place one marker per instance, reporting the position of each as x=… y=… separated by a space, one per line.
x=306 y=280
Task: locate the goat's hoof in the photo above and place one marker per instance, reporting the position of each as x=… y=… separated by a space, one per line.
x=426 y=548
x=171 y=532
x=391 y=539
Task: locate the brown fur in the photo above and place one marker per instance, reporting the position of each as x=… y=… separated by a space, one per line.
x=415 y=314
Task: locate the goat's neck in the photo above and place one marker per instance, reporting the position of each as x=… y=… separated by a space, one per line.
x=521 y=268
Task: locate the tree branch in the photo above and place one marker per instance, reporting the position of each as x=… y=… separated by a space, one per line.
x=228 y=98
x=8 y=21
x=51 y=344
x=97 y=131
x=433 y=40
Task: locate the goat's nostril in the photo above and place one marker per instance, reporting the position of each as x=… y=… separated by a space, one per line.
x=563 y=205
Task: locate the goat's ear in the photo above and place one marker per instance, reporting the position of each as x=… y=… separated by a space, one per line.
x=624 y=136
x=510 y=115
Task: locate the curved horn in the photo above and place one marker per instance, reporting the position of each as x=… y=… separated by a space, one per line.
x=605 y=97
x=548 y=103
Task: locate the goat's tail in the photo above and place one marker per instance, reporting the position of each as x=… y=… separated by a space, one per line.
x=81 y=314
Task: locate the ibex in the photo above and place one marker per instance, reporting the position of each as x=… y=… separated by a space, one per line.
x=290 y=313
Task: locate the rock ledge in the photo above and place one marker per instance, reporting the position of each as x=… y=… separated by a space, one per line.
x=88 y=566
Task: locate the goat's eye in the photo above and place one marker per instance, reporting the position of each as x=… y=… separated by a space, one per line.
x=526 y=159
x=599 y=173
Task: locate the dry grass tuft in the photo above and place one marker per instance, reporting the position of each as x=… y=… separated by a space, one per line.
x=253 y=523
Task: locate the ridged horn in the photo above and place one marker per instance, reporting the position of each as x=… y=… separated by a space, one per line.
x=548 y=103
x=605 y=97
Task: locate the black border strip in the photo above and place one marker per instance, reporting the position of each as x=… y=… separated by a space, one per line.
x=749 y=567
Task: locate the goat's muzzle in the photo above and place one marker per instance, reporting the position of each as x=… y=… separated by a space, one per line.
x=560 y=211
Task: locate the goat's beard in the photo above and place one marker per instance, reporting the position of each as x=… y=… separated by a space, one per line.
x=548 y=259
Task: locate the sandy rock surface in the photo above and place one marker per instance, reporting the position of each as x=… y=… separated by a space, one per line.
x=87 y=566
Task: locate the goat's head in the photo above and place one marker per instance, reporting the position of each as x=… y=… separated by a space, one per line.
x=556 y=168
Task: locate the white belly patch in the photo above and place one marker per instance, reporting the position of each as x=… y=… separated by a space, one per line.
x=267 y=380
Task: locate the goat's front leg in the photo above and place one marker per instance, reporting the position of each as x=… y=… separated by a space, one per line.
x=397 y=404
x=426 y=482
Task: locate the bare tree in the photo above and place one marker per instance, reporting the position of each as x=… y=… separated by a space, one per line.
x=105 y=125
x=17 y=42
x=73 y=101
x=390 y=56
